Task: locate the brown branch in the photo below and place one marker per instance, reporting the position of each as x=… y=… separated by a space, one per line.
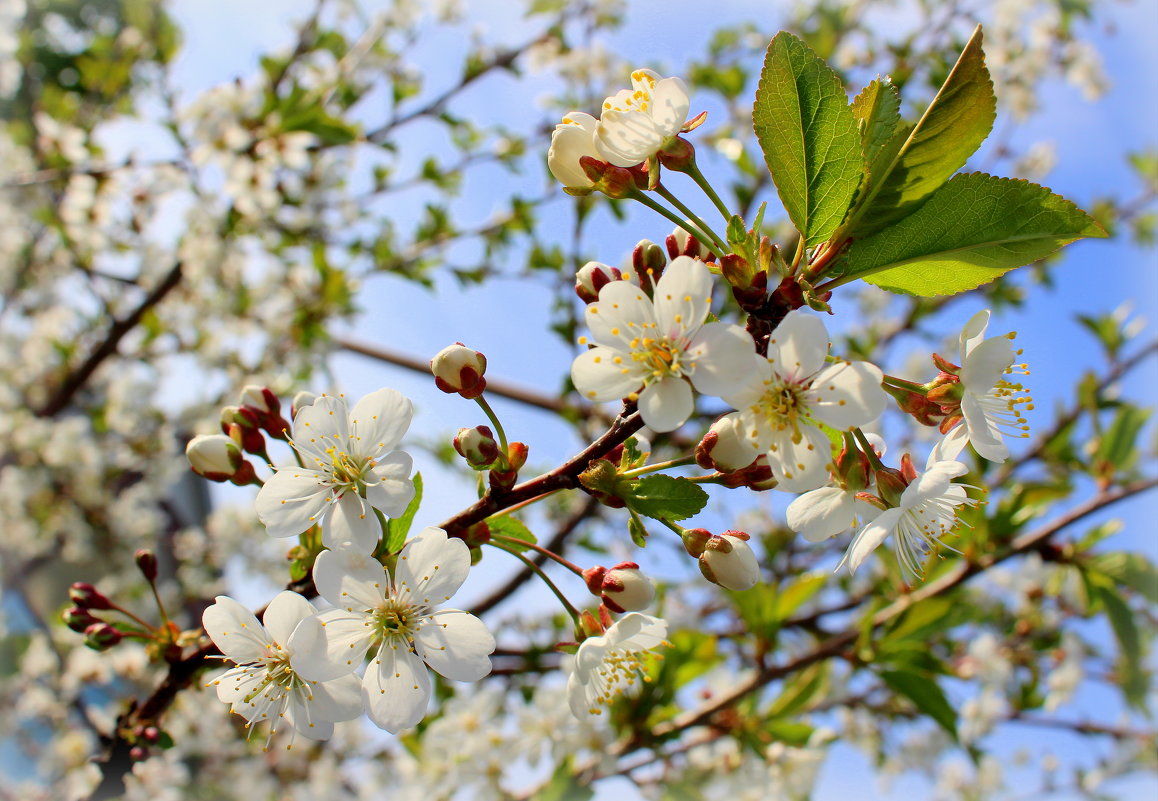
x=75 y=380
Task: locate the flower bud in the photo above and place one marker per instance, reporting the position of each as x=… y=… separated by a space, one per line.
x=729 y=561
x=589 y=626
x=260 y=399
x=86 y=596
x=477 y=445
x=301 y=401
x=101 y=636
x=724 y=447
x=592 y=277
x=459 y=369
x=138 y=753
x=78 y=618
x=680 y=242
x=147 y=563
x=695 y=540
x=243 y=425
x=151 y=734
x=678 y=154
x=517 y=454
x=648 y=261
x=214 y=456
x=571 y=140
x=890 y=485
x=625 y=588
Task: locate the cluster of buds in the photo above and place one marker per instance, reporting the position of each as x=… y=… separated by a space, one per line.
x=725 y=559
x=623 y=588
x=145 y=736
x=86 y=599
x=459 y=370
x=258 y=414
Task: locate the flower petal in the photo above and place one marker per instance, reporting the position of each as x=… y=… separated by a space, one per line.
x=821 y=513
x=284 y=613
x=800 y=466
x=302 y=716
x=379 y=421
x=394 y=490
x=847 y=394
x=432 y=566
x=869 y=538
x=338 y=699
x=798 y=346
x=950 y=446
x=626 y=138
x=725 y=359
x=331 y=644
x=666 y=404
x=683 y=296
x=236 y=683
x=319 y=426
x=670 y=105
x=396 y=689
x=349 y=578
x=986 y=365
x=984 y=435
x=599 y=377
x=455 y=644
x=641 y=632
x=622 y=313
x=292 y=500
x=973 y=333
x=351 y=522
x=235 y=630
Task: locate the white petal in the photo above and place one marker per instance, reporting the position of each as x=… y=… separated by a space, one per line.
x=292 y=500
x=331 y=644
x=987 y=364
x=577 y=698
x=379 y=421
x=725 y=358
x=950 y=446
x=683 y=296
x=432 y=566
x=321 y=425
x=338 y=699
x=666 y=404
x=798 y=346
x=456 y=644
x=284 y=613
x=626 y=138
x=847 y=394
x=396 y=689
x=570 y=141
x=973 y=333
x=347 y=577
x=303 y=718
x=351 y=522
x=821 y=513
x=642 y=632
x=869 y=538
x=235 y=630
x=670 y=105
x=733 y=449
x=752 y=390
x=801 y=466
x=621 y=314
x=984 y=435
x=599 y=377
x=394 y=490
x=236 y=683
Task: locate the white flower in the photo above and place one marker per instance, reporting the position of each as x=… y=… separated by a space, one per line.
x=265 y=685
x=636 y=123
x=351 y=468
x=397 y=617
x=988 y=401
x=572 y=139
x=658 y=345
x=794 y=390
x=607 y=665
x=825 y=512
x=928 y=511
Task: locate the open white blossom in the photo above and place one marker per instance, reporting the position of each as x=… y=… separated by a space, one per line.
x=928 y=510
x=607 y=665
x=659 y=346
x=793 y=390
x=635 y=123
x=350 y=469
x=989 y=402
x=265 y=684
x=397 y=618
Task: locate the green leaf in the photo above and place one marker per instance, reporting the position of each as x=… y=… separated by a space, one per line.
x=974 y=229
x=507 y=526
x=1130 y=675
x=797 y=593
x=878 y=114
x=1118 y=446
x=637 y=532
x=792 y=732
x=564 y=785
x=666 y=497
x=948 y=133
x=809 y=136
x=799 y=689
x=399 y=527
x=925 y=694
x=1130 y=570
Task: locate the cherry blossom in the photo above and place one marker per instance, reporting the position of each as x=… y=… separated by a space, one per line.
x=608 y=665
x=636 y=123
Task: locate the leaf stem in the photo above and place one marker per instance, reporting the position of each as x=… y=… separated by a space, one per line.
x=571 y=610
x=693 y=170
x=490 y=413
x=574 y=568
x=903 y=384
x=651 y=468
x=667 y=195
x=705 y=239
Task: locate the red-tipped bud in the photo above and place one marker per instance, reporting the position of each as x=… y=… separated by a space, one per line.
x=592 y=277
x=87 y=596
x=517 y=455
x=648 y=260
x=151 y=734
x=147 y=563
x=615 y=182
x=678 y=155
x=626 y=589
x=101 y=636
x=243 y=425
x=458 y=369
x=696 y=540
x=78 y=618
x=218 y=458
x=478 y=446
x=728 y=560
x=138 y=753
x=890 y=485
x=681 y=242
x=725 y=448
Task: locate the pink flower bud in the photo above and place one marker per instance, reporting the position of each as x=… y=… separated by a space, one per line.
x=101 y=636
x=147 y=563
x=87 y=596
x=592 y=277
x=477 y=445
x=260 y=399
x=626 y=589
x=78 y=618
x=729 y=561
x=695 y=540
x=681 y=243
x=648 y=261
x=459 y=369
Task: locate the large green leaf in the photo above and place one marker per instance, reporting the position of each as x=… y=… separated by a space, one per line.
x=974 y=229
x=809 y=137
x=878 y=114
x=919 y=160
x=925 y=694
x=666 y=497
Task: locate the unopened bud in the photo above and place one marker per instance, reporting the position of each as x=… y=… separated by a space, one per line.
x=138 y=753
x=101 y=636
x=626 y=589
x=301 y=401
x=728 y=560
x=724 y=447
x=151 y=734
x=890 y=485
x=147 y=563
x=459 y=369
x=78 y=618
x=648 y=260
x=214 y=456
x=681 y=242
x=696 y=540
x=737 y=271
x=517 y=454
x=477 y=445
x=678 y=154
x=87 y=596
x=592 y=277
x=260 y=399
